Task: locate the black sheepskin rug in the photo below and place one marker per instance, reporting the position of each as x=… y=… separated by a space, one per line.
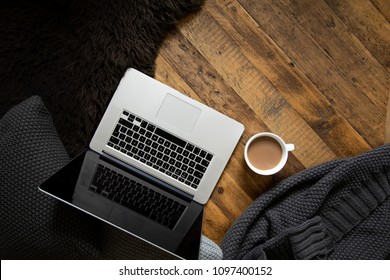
x=73 y=54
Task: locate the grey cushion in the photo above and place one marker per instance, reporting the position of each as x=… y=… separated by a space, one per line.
x=33 y=225
x=36 y=226
x=209 y=250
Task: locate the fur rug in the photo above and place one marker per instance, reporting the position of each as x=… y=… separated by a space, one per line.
x=73 y=54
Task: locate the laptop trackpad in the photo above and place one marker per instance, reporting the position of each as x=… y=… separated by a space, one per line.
x=178 y=113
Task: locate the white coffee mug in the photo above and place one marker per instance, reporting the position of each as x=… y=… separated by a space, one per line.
x=285 y=148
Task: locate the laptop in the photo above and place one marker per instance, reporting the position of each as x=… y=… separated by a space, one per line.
x=151 y=165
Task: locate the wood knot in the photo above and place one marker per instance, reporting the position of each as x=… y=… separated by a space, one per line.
x=220 y=190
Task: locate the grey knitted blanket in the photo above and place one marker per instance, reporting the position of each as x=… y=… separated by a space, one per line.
x=336 y=210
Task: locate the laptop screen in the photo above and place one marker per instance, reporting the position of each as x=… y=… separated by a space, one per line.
x=126 y=205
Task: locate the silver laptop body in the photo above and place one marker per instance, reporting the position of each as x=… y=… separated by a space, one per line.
x=174 y=120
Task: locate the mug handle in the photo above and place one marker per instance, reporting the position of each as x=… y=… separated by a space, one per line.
x=290 y=147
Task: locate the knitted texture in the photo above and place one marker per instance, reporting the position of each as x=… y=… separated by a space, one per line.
x=336 y=210
x=30 y=152
x=209 y=250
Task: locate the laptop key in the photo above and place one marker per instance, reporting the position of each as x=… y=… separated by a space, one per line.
x=144 y=124
x=141 y=153
x=178 y=172
x=179 y=157
x=198 y=159
x=190 y=147
x=198 y=175
x=130 y=154
x=141 y=145
x=125 y=123
x=196 y=151
x=151 y=127
x=200 y=168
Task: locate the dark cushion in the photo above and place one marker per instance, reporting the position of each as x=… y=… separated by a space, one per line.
x=34 y=225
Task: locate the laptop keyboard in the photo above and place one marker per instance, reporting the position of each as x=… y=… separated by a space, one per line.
x=159 y=149
x=137 y=197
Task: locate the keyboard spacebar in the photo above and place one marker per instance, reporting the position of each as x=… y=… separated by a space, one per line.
x=170 y=137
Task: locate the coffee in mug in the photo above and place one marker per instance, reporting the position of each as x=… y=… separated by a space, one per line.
x=266 y=153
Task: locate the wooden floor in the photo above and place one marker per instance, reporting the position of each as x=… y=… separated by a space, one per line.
x=316 y=72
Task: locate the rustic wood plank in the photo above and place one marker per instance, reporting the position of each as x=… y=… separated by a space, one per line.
x=367 y=24
x=312 y=106
x=254 y=88
x=195 y=71
x=383 y=6
x=311 y=36
x=215 y=223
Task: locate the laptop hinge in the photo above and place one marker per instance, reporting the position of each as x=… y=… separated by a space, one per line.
x=147 y=177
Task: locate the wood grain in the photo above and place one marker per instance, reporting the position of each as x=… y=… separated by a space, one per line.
x=314 y=72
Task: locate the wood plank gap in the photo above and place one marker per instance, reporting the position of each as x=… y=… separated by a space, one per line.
x=263 y=98
x=298 y=90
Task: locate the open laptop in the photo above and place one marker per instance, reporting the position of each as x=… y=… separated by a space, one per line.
x=153 y=163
